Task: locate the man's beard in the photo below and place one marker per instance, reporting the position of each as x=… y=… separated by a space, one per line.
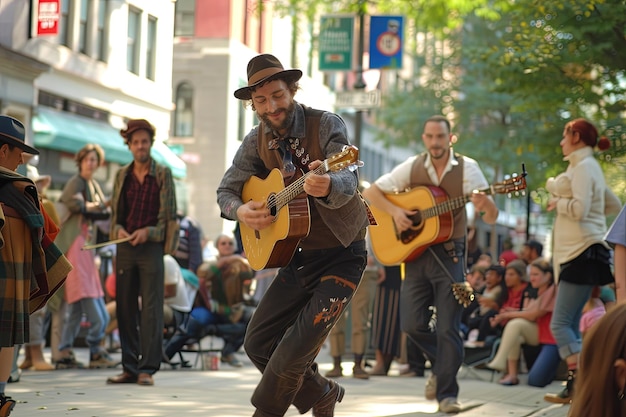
x=289 y=116
x=434 y=154
x=143 y=157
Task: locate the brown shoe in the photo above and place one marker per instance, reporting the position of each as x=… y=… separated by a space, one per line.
x=145 y=379
x=123 y=378
x=359 y=373
x=336 y=372
x=325 y=406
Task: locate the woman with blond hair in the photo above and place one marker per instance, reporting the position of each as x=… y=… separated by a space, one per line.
x=601 y=382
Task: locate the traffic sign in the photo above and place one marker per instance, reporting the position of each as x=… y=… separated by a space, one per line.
x=358 y=99
x=386 y=33
x=336 y=43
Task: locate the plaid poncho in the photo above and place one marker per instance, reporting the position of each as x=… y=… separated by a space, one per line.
x=31 y=266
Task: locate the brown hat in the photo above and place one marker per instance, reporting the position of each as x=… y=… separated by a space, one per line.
x=137 y=124
x=12 y=131
x=263 y=68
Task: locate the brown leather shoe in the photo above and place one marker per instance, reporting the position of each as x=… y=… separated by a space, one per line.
x=325 y=406
x=145 y=379
x=123 y=378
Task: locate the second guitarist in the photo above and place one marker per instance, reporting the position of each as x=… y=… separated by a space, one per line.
x=428 y=277
x=310 y=292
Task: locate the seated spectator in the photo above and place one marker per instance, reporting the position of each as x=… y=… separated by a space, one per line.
x=182 y=283
x=220 y=307
x=476 y=279
x=508 y=255
x=515 y=297
x=487 y=305
x=593 y=311
x=484 y=260
x=531 y=251
x=179 y=295
x=530 y=326
x=227 y=273
x=601 y=381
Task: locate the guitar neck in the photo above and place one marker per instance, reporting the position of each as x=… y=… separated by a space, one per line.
x=451 y=204
x=296 y=188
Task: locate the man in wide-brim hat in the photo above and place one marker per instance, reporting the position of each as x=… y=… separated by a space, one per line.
x=32 y=266
x=262 y=69
x=310 y=292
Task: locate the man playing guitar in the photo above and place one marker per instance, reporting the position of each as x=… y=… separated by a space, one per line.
x=428 y=276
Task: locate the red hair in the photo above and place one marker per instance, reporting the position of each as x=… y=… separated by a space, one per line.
x=588 y=134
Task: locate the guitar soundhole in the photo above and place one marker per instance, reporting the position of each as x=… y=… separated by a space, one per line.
x=418 y=224
x=271 y=204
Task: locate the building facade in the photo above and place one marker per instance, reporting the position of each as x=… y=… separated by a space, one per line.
x=94 y=65
x=213 y=42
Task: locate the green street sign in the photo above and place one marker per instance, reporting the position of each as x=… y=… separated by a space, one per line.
x=336 y=43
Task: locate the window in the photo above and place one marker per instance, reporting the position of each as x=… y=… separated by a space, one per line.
x=101 y=41
x=63 y=29
x=151 y=48
x=132 y=47
x=183 y=115
x=83 y=28
x=184 y=20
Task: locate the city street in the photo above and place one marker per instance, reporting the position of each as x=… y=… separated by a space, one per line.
x=226 y=393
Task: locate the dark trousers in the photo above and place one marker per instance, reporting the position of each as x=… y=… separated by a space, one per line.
x=292 y=322
x=427 y=284
x=139 y=272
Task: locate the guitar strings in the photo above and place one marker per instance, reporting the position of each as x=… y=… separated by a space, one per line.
x=283 y=197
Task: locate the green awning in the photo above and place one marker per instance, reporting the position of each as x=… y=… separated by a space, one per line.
x=67 y=132
x=165 y=156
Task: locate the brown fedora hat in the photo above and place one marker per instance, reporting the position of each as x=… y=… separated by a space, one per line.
x=263 y=68
x=12 y=131
x=137 y=124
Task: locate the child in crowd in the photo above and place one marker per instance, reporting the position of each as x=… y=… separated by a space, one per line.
x=488 y=305
x=592 y=311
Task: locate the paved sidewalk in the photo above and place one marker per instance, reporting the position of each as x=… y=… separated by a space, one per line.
x=226 y=393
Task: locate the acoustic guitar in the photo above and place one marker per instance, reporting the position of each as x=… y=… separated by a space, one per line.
x=433 y=222
x=275 y=245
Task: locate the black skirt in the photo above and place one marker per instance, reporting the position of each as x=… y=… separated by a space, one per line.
x=592 y=267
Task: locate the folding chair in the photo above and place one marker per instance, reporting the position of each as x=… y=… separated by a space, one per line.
x=192 y=344
x=197 y=346
x=478 y=356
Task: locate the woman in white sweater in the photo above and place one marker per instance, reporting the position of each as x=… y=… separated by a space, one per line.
x=581 y=258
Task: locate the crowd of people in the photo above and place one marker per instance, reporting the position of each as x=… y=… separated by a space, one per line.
x=162 y=293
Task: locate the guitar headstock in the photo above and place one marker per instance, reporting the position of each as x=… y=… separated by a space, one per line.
x=515 y=184
x=347 y=158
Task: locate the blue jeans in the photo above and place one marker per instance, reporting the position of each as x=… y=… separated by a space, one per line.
x=428 y=284
x=97 y=316
x=545 y=366
x=292 y=322
x=570 y=300
x=231 y=333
